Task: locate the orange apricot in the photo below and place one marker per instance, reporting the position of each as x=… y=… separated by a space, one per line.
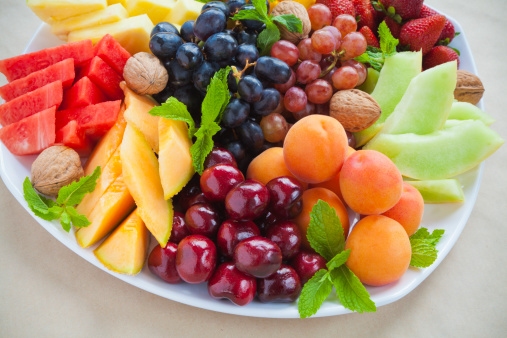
x=409 y=209
x=370 y=182
x=314 y=148
x=380 y=250
x=310 y=198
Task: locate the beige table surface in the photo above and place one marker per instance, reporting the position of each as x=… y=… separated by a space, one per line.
x=48 y=291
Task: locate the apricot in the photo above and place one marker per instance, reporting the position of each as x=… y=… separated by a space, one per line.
x=310 y=198
x=315 y=148
x=370 y=182
x=268 y=165
x=409 y=209
x=380 y=250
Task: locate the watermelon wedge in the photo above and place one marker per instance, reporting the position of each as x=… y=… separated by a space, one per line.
x=23 y=65
x=31 y=135
x=73 y=136
x=95 y=119
x=83 y=93
x=31 y=103
x=63 y=71
x=102 y=75
x=110 y=50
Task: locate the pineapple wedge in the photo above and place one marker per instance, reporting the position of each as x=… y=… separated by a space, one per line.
x=184 y=10
x=157 y=10
x=53 y=10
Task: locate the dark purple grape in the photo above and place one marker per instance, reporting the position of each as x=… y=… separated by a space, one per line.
x=209 y=22
x=234 y=6
x=178 y=76
x=237 y=149
x=250 y=89
x=164 y=45
x=192 y=98
x=187 y=31
x=270 y=99
x=246 y=53
x=250 y=134
x=220 y=47
x=232 y=84
x=248 y=23
x=166 y=93
x=203 y=74
x=247 y=38
x=189 y=55
x=272 y=69
x=235 y=113
x=218 y=5
x=164 y=27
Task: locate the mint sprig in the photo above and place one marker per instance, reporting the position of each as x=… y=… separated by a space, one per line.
x=63 y=208
x=423 y=244
x=376 y=56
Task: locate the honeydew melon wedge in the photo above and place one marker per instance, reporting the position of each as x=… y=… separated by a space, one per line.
x=441 y=154
x=440 y=191
x=467 y=111
x=395 y=76
x=371 y=81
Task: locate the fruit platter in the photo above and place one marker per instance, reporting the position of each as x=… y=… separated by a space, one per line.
x=282 y=159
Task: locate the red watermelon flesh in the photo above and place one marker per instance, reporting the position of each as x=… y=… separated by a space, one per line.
x=63 y=71
x=73 y=136
x=23 y=65
x=102 y=75
x=83 y=93
x=31 y=103
x=110 y=50
x=31 y=135
x=95 y=119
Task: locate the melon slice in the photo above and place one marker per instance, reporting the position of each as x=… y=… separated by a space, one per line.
x=157 y=10
x=393 y=81
x=467 y=111
x=102 y=75
x=141 y=171
x=52 y=10
x=174 y=157
x=73 y=136
x=440 y=191
x=125 y=250
x=63 y=71
x=441 y=154
x=371 y=81
x=110 y=50
x=83 y=93
x=23 y=65
x=31 y=103
x=183 y=11
x=31 y=135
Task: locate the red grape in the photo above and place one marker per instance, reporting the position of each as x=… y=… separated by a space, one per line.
x=295 y=99
x=286 y=51
x=360 y=68
x=308 y=71
x=345 y=78
x=320 y=16
x=309 y=109
x=345 y=24
x=323 y=41
x=306 y=51
x=274 y=127
x=353 y=45
x=319 y=91
x=336 y=33
x=282 y=88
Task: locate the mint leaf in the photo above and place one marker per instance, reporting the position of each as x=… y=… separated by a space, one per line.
x=262 y=8
x=421 y=233
x=175 y=110
x=315 y=291
x=350 y=291
x=78 y=220
x=338 y=260
x=387 y=41
x=73 y=193
x=292 y=22
x=248 y=14
x=35 y=201
x=375 y=56
x=65 y=221
x=267 y=38
x=203 y=145
x=325 y=232
x=217 y=97
x=435 y=236
x=423 y=253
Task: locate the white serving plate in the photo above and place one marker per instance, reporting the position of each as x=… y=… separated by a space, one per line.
x=451 y=217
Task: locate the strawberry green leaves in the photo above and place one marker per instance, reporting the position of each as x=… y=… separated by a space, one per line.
x=63 y=208
x=424 y=252
x=375 y=56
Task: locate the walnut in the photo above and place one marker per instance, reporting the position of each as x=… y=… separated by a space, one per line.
x=354 y=109
x=469 y=87
x=145 y=74
x=292 y=7
x=55 y=167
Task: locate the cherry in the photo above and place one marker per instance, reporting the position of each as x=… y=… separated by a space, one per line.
x=219 y=155
x=307 y=264
x=192 y=189
x=282 y=286
x=232 y=232
x=265 y=222
x=228 y=282
x=179 y=229
x=162 y=262
x=287 y=236
x=257 y=256
x=247 y=201
x=285 y=197
x=202 y=219
x=218 y=180
x=196 y=259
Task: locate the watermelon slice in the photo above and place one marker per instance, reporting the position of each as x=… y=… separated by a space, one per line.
x=23 y=65
x=102 y=75
x=31 y=103
x=31 y=135
x=110 y=50
x=96 y=119
x=63 y=71
x=73 y=136
x=83 y=93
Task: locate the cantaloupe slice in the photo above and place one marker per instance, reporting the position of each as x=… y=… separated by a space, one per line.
x=440 y=191
x=53 y=10
x=125 y=250
x=136 y=113
x=141 y=171
x=114 y=205
x=467 y=111
x=174 y=157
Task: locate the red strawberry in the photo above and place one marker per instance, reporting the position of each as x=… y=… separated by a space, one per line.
x=422 y=33
x=393 y=26
x=438 y=55
x=426 y=12
x=371 y=39
x=338 y=7
x=447 y=32
x=407 y=9
x=366 y=13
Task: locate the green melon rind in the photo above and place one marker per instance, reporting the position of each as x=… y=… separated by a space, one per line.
x=440 y=191
x=467 y=111
x=441 y=154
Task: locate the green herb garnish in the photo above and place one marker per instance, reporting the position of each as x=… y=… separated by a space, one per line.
x=423 y=244
x=375 y=56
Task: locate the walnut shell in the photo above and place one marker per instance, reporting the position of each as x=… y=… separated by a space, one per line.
x=55 y=167
x=469 y=87
x=354 y=109
x=293 y=7
x=145 y=74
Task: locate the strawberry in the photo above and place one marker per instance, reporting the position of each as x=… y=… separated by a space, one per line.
x=447 y=32
x=422 y=33
x=338 y=7
x=438 y=55
x=407 y=9
x=426 y=12
x=393 y=26
x=366 y=14
x=371 y=39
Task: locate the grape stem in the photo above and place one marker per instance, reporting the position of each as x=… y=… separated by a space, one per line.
x=336 y=55
x=238 y=74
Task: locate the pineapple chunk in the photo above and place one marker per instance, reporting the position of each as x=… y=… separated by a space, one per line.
x=184 y=10
x=157 y=10
x=54 y=10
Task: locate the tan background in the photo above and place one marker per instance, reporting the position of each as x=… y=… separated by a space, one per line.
x=48 y=291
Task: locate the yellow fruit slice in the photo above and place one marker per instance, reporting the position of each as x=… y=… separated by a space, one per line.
x=125 y=250
x=157 y=10
x=184 y=10
x=141 y=172
x=51 y=10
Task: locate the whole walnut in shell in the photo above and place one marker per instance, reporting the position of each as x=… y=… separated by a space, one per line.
x=145 y=74
x=354 y=109
x=55 y=167
x=469 y=87
x=292 y=7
